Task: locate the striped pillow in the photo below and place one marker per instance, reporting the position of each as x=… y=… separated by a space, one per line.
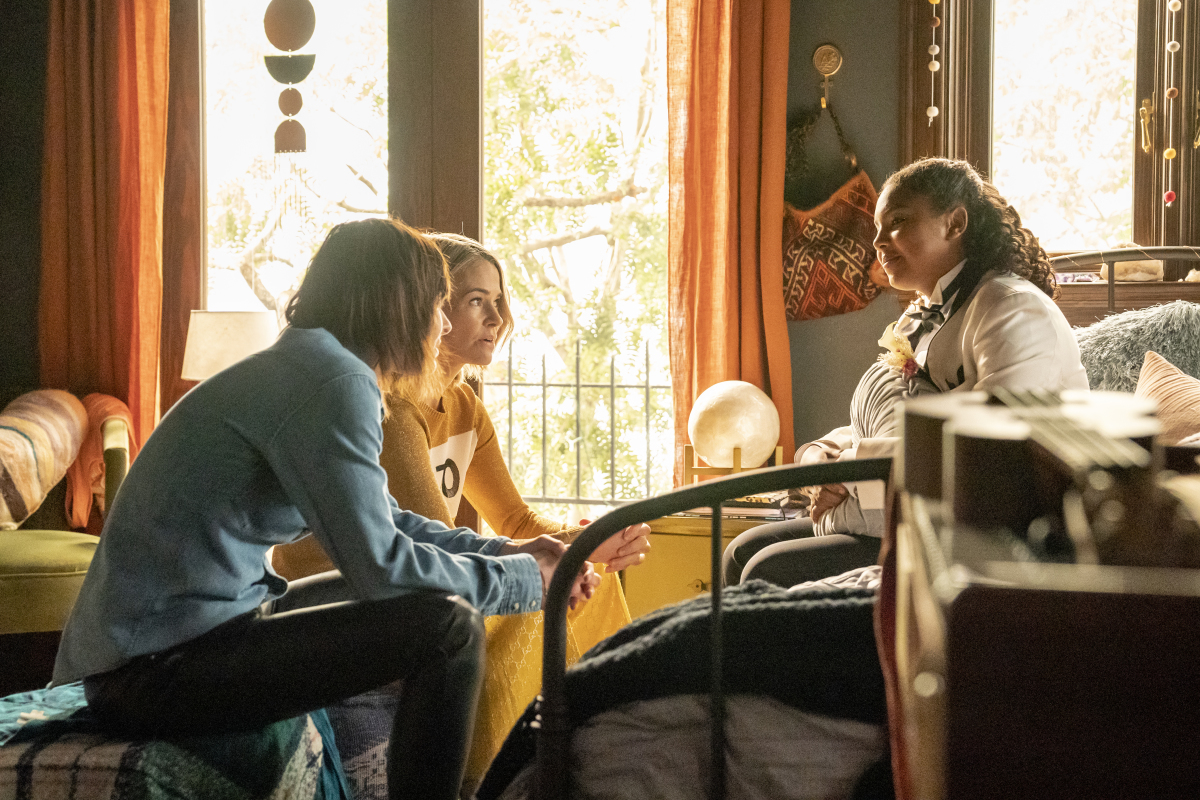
x=40 y=435
x=1177 y=394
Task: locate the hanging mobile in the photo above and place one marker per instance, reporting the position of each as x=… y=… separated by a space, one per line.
x=934 y=65
x=1173 y=7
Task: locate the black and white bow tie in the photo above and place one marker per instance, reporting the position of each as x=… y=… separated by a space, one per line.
x=934 y=315
x=928 y=318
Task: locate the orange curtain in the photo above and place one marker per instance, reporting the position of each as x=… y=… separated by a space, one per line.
x=102 y=189
x=727 y=68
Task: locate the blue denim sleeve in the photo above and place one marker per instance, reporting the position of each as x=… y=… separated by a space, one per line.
x=452 y=540
x=326 y=456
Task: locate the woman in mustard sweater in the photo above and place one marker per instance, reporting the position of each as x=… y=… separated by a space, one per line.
x=437 y=452
x=464 y=452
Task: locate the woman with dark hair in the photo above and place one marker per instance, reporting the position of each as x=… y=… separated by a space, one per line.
x=985 y=318
x=441 y=449
x=181 y=625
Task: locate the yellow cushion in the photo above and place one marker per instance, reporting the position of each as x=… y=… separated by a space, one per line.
x=40 y=576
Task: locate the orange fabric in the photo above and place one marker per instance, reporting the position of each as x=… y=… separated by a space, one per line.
x=727 y=68
x=102 y=182
x=85 y=477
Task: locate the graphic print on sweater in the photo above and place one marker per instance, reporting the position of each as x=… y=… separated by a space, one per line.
x=450 y=462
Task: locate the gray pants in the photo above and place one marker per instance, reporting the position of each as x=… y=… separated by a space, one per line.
x=787 y=553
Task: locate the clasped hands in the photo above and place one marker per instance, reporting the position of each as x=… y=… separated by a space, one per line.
x=625 y=548
x=822 y=499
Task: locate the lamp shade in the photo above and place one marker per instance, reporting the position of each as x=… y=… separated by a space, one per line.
x=218 y=339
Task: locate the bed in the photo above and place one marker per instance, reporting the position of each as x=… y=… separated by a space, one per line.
x=50 y=747
x=791 y=691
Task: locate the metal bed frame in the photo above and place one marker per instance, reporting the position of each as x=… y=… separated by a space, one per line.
x=553 y=725
x=553 y=779
x=1085 y=261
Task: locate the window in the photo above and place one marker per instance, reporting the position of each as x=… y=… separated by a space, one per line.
x=539 y=128
x=575 y=194
x=268 y=211
x=1062 y=137
x=988 y=109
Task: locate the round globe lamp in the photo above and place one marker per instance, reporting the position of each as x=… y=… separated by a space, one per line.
x=733 y=426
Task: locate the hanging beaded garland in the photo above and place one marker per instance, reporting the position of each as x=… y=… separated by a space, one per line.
x=934 y=65
x=1173 y=7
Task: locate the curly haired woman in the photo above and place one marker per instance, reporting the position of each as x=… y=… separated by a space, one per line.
x=986 y=318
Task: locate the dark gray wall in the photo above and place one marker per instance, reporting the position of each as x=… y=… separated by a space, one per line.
x=23 y=31
x=829 y=355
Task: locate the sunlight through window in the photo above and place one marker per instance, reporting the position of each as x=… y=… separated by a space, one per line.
x=1063 y=110
x=575 y=144
x=268 y=212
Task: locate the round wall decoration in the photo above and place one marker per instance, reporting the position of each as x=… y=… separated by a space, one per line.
x=290 y=23
x=290 y=102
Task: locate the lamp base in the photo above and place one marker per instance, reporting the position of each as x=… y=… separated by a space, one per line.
x=692 y=471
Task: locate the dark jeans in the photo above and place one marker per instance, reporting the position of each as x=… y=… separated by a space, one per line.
x=787 y=553
x=270 y=665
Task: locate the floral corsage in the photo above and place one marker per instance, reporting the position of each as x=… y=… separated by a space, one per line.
x=899 y=356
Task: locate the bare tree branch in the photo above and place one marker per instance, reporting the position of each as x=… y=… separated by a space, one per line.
x=273 y=256
x=535 y=273
x=356 y=210
x=536 y=276
x=646 y=98
x=245 y=264
x=354 y=125
x=612 y=277
x=363 y=179
x=562 y=276
x=565 y=238
x=568 y=201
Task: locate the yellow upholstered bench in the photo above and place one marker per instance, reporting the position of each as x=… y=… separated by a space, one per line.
x=40 y=576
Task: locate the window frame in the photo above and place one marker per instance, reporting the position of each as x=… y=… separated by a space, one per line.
x=435 y=152
x=963 y=128
x=435 y=114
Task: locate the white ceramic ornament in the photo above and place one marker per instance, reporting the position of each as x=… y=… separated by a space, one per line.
x=733 y=414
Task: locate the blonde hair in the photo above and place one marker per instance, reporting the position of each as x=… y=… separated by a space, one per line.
x=461 y=251
x=377 y=286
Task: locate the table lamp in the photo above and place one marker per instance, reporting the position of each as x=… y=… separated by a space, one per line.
x=733 y=426
x=218 y=339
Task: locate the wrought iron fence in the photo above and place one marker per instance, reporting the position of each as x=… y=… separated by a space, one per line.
x=648 y=389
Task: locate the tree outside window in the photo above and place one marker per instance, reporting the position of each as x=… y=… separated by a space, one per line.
x=1063 y=134
x=575 y=203
x=575 y=207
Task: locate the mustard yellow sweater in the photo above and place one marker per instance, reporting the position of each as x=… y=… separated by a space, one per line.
x=465 y=454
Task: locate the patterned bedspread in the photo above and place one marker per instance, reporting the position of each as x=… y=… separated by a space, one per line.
x=50 y=747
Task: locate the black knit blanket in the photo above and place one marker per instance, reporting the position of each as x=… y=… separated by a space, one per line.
x=813 y=650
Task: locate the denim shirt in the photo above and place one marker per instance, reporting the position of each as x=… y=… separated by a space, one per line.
x=286 y=441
